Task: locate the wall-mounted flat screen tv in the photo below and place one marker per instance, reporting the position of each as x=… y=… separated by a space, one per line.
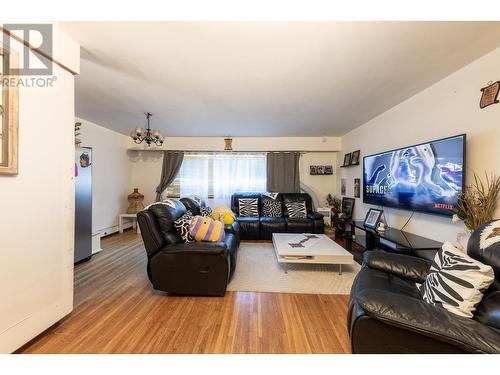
x=428 y=177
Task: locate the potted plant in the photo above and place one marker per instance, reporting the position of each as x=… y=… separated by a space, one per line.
x=334 y=203
x=477 y=204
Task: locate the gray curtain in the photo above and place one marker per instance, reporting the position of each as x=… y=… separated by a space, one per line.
x=283 y=172
x=172 y=161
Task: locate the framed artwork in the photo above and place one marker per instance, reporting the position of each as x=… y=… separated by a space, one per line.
x=342 y=186
x=321 y=169
x=355 y=158
x=347 y=159
x=372 y=218
x=357 y=188
x=313 y=169
x=9 y=114
x=489 y=94
x=328 y=169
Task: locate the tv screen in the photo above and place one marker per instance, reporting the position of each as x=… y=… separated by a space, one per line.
x=427 y=177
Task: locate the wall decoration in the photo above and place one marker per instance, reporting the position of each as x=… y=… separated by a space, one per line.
x=357 y=188
x=228 y=144
x=321 y=169
x=355 y=158
x=9 y=115
x=78 y=128
x=490 y=94
x=343 y=186
x=347 y=159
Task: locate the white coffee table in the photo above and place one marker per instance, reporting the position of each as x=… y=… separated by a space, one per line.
x=309 y=248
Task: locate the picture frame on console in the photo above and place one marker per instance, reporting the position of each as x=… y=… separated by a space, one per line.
x=372 y=218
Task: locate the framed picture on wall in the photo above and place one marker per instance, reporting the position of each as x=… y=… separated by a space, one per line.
x=342 y=186
x=357 y=188
x=9 y=115
x=313 y=170
x=328 y=169
x=347 y=159
x=355 y=158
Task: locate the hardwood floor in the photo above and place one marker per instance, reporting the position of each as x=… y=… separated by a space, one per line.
x=116 y=311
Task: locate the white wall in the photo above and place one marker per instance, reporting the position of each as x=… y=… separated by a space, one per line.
x=37 y=213
x=321 y=185
x=247 y=144
x=447 y=108
x=110 y=175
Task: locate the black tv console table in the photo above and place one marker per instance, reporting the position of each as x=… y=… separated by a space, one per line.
x=391 y=239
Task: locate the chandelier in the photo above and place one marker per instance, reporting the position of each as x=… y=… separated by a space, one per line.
x=149 y=136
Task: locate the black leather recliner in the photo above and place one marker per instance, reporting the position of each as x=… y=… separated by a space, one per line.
x=262 y=228
x=198 y=268
x=388 y=315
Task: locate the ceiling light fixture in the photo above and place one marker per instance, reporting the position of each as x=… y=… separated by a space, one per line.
x=149 y=136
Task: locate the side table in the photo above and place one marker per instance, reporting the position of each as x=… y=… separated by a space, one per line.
x=133 y=217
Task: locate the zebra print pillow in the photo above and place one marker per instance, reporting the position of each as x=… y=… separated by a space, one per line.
x=296 y=210
x=456 y=281
x=248 y=207
x=205 y=211
x=182 y=227
x=271 y=208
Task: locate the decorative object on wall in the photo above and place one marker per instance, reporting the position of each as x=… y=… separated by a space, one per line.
x=320 y=169
x=149 y=136
x=355 y=158
x=228 y=144
x=490 y=94
x=9 y=115
x=343 y=186
x=478 y=202
x=357 y=188
x=135 y=200
x=347 y=159
x=78 y=127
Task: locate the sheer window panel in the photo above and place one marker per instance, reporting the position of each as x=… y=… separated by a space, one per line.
x=216 y=176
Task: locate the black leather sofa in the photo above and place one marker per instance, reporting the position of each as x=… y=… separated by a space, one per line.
x=388 y=315
x=262 y=228
x=199 y=268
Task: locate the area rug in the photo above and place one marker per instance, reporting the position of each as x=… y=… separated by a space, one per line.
x=257 y=270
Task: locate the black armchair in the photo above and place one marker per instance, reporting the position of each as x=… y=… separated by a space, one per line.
x=388 y=315
x=199 y=268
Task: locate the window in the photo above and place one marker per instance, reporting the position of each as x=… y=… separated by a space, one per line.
x=218 y=175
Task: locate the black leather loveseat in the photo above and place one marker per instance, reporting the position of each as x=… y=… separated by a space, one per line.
x=198 y=268
x=388 y=315
x=261 y=227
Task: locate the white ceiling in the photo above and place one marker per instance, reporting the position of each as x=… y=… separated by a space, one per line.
x=263 y=78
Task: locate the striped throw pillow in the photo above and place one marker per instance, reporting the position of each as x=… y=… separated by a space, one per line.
x=204 y=228
x=248 y=207
x=296 y=210
x=456 y=281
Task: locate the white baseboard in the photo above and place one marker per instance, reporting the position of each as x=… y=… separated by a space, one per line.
x=114 y=229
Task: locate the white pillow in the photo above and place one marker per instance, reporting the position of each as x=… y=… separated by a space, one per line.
x=456 y=281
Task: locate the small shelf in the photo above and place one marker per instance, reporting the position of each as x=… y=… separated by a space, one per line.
x=350 y=165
